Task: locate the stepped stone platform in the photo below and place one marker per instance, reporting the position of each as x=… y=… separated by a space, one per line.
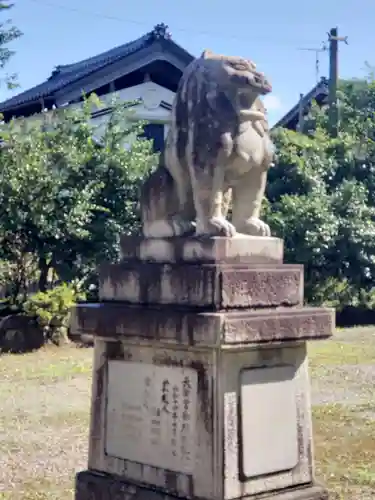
x=200 y=379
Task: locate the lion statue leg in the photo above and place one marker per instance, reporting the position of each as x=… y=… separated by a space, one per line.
x=212 y=194
x=210 y=201
x=227 y=199
x=164 y=213
x=247 y=200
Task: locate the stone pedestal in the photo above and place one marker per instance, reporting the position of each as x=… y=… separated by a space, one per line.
x=200 y=381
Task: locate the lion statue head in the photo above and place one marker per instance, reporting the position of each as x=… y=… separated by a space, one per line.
x=216 y=93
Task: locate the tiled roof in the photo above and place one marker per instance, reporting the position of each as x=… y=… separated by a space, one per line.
x=320 y=90
x=70 y=73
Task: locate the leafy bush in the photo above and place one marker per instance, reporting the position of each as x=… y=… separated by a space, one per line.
x=321 y=200
x=66 y=198
x=52 y=309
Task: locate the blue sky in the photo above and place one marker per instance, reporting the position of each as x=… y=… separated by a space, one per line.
x=271 y=33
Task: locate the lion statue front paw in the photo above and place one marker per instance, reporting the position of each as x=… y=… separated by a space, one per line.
x=255 y=227
x=216 y=226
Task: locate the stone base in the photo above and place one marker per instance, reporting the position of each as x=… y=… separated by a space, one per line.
x=214 y=273
x=95 y=486
x=211 y=333
x=202 y=286
x=116 y=321
x=240 y=249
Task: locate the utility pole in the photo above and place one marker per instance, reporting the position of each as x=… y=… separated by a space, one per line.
x=333 y=40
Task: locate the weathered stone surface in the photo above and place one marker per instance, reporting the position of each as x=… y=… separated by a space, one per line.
x=181 y=327
x=218 y=395
x=218 y=149
x=95 y=486
x=241 y=249
x=306 y=323
x=268 y=388
x=213 y=343
x=20 y=333
x=202 y=286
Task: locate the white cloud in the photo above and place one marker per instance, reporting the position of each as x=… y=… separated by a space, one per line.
x=272 y=103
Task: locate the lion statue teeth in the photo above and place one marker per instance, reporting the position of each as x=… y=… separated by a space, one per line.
x=217 y=153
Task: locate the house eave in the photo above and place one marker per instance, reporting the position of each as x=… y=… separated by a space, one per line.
x=64 y=82
x=319 y=91
x=117 y=70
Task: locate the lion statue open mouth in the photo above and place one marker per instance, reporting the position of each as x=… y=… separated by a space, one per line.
x=217 y=153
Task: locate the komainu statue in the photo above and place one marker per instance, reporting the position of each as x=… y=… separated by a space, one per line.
x=217 y=153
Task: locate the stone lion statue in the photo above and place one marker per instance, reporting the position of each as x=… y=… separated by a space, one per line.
x=217 y=152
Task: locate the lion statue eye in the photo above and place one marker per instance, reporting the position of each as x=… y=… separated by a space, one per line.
x=237 y=66
x=241 y=66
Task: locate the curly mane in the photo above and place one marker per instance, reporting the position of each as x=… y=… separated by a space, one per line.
x=203 y=112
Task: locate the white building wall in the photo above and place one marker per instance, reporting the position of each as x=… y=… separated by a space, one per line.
x=150 y=109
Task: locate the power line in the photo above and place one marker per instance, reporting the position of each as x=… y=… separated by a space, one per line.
x=317 y=58
x=142 y=23
x=88 y=12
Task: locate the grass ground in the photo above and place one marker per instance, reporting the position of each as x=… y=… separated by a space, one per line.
x=343 y=383
x=45 y=400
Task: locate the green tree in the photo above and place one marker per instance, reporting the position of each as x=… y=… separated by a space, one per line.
x=65 y=199
x=8 y=33
x=321 y=199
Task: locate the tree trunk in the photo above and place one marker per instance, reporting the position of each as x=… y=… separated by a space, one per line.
x=43 y=278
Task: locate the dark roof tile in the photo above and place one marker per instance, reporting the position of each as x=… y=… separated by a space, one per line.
x=69 y=73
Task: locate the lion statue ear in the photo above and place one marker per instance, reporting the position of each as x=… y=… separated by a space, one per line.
x=207 y=54
x=252 y=64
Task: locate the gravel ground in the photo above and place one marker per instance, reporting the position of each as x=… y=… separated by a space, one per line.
x=346 y=384
x=341 y=382
x=43 y=428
